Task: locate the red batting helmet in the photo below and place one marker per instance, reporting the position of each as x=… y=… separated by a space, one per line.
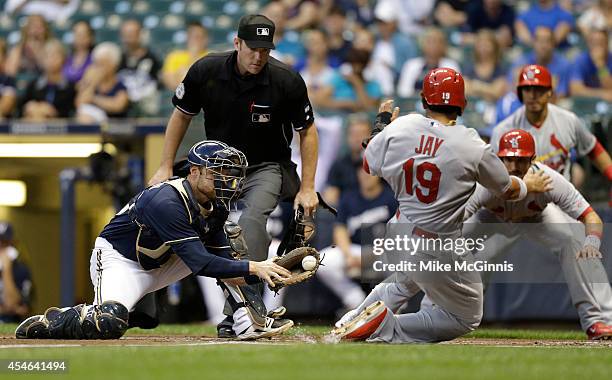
x=516 y=143
x=444 y=87
x=533 y=75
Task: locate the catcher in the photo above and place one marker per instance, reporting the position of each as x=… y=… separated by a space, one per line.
x=163 y=234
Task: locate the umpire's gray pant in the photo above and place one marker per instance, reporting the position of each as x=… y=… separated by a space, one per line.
x=260 y=196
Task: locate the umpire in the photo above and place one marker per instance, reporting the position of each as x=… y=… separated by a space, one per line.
x=252 y=102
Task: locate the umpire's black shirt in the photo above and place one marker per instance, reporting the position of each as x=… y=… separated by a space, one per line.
x=254 y=113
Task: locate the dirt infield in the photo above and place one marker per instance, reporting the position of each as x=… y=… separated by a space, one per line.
x=8 y=342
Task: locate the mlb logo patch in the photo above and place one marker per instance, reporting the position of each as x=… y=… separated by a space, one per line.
x=180 y=91
x=261 y=117
x=263 y=31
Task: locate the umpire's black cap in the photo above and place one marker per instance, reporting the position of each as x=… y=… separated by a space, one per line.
x=6 y=231
x=257 y=31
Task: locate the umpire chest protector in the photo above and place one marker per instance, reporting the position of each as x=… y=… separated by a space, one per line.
x=256 y=114
x=151 y=251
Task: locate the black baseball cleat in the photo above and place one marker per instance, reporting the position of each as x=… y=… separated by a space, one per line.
x=224 y=328
x=225 y=332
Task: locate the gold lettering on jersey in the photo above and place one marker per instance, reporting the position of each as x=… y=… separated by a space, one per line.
x=429 y=145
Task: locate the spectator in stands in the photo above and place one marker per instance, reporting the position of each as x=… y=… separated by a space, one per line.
x=451 y=13
x=27 y=56
x=350 y=90
x=485 y=77
x=359 y=10
x=544 y=13
x=101 y=94
x=317 y=72
x=413 y=15
x=289 y=49
x=391 y=50
x=376 y=71
x=591 y=70
x=362 y=206
x=598 y=16
x=433 y=45
x=338 y=46
x=50 y=95
x=490 y=14
x=510 y=102
x=8 y=93
x=302 y=14
x=51 y=10
x=544 y=54
x=82 y=44
x=342 y=175
x=179 y=61
x=15 y=279
x=139 y=68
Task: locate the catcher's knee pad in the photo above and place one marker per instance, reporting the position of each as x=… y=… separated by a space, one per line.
x=246 y=296
x=106 y=321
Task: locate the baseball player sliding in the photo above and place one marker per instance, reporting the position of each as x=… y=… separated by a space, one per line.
x=555 y=130
x=166 y=232
x=432 y=165
x=579 y=256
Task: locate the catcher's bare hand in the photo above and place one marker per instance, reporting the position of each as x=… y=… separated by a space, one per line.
x=268 y=271
x=387 y=106
x=537 y=182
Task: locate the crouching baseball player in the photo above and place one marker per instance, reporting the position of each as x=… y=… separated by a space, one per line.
x=165 y=233
x=432 y=165
x=556 y=214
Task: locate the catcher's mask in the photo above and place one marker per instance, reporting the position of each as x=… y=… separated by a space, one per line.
x=227 y=165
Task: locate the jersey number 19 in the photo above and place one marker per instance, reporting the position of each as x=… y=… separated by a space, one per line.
x=431 y=184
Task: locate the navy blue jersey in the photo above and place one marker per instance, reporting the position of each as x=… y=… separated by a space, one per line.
x=354 y=210
x=166 y=219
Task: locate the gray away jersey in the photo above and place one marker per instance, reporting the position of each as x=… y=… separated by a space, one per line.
x=433 y=169
x=564 y=195
x=561 y=131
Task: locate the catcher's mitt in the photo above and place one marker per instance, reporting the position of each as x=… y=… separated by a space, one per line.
x=292 y=261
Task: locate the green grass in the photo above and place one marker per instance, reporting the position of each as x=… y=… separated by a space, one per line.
x=320 y=361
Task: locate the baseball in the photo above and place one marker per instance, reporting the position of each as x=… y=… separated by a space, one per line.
x=309 y=263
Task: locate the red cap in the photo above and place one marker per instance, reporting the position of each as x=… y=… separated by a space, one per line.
x=444 y=87
x=534 y=75
x=516 y=143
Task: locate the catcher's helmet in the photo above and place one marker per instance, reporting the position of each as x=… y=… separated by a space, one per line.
x=227 y=164
x=444 y=87
x=516 y=143
x=533 y=75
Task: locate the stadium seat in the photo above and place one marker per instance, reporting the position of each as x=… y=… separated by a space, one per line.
x=221 y=36
x=589 y=106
